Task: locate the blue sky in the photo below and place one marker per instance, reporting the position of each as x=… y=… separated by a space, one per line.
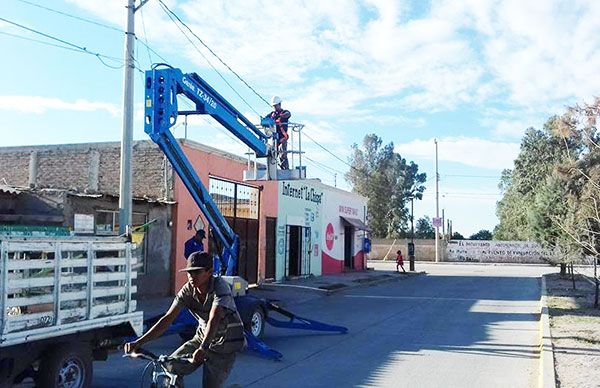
x=473 y=74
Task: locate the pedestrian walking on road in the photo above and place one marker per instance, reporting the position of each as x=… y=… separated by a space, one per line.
x=399 y=262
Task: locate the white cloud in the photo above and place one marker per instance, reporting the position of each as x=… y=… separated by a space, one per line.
x=470 y=151
x=39 y=105
x=534 y=53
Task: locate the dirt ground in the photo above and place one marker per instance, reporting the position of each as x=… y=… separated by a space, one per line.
x=575 y=330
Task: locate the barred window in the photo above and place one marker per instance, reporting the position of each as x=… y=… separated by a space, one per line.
x=234 y=199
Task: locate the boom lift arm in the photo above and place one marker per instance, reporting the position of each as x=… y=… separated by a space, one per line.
x=162 y=88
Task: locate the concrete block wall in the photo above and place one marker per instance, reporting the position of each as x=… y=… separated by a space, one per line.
x=90 y=168
x=424 y=249
x=14 y=167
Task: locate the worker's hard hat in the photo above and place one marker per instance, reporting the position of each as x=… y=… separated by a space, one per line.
x=275 y=100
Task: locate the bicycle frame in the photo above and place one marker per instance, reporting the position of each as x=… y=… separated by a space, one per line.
x=159 y=371
x=160 y=374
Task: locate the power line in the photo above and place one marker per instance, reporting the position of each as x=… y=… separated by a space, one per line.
x=39 y=41
x=145 y=35
x=212 y=52
x=72 y=16
x=323 y=166
x=331 y=153
x=469 y=194
x=97 y=23
x=473 y=176
x=169 y=12
x=72 y=46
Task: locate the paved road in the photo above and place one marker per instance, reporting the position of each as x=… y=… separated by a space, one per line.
x=457 y=326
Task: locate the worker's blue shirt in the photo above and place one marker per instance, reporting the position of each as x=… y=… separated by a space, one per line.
x=192 y=246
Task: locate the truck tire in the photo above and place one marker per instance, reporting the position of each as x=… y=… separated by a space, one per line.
x=66 y=366
x=256 y=326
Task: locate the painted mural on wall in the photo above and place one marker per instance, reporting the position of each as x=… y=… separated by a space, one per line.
x=496 y=251
x=298 y=229
x=339 y=204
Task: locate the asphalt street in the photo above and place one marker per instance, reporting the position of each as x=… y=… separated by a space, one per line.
x=455 y=326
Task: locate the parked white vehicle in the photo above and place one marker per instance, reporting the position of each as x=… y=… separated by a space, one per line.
x=64 y=302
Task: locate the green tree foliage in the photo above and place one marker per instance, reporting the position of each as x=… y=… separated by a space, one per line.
x=483 y=234
x=424 y=228
x=388 y=181
x=540 y=152
x=457 y=236
x=553 y=193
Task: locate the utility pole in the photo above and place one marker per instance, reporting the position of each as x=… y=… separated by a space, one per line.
x=125 y=196
x=437 y=204
x=411 y=246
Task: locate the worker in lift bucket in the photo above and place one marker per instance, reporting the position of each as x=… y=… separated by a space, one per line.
x=281 y=117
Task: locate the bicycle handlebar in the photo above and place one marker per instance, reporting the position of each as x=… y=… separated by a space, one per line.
x=148 y=355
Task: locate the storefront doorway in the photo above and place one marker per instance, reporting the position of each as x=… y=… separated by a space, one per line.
x=297 y=252
x=348 y=244
x=271 y=229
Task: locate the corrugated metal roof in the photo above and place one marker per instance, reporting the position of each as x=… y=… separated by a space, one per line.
x=8 y=189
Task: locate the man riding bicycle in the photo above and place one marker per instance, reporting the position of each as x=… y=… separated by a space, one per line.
x=220 y=332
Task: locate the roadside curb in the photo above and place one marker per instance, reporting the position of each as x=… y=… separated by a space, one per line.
x=388 y=279
x=547 y=378
x=343 y=286
x=464 y=263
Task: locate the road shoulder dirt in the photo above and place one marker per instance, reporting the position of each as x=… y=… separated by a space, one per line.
x=575 y=329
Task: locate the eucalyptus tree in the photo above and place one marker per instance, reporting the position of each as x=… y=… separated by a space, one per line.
x=388 y=181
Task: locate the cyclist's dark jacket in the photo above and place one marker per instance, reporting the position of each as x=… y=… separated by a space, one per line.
x=229 y=337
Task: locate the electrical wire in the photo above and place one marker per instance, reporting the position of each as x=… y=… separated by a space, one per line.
x=39 y=41
x=172 y=15
x=169 y=13
x=323 y=166
x=97 y=23
x=329 y=152
x=145 y=35
x=71 y=46
x=72 y=16
x=472 y=176
x=213 y=53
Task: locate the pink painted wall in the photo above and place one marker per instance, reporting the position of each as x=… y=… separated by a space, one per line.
x=268 y=208
x=213 y=163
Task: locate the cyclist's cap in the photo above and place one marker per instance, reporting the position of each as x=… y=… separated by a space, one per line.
x=198 y=260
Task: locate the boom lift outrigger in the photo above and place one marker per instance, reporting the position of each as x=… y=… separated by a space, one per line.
x=161 y=110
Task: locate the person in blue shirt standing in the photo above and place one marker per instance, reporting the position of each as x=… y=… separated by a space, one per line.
x=195 y=243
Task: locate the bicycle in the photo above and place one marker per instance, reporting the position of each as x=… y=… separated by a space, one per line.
x=162 y=377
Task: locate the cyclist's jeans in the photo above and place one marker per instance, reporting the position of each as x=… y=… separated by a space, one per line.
x=216 y=367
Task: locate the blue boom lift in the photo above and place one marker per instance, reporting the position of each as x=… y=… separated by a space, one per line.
x=163 y=85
